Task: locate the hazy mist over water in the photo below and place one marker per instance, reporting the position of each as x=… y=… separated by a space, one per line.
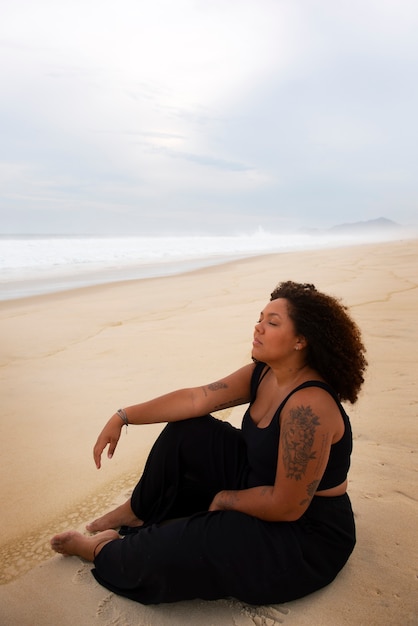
x=33 y=265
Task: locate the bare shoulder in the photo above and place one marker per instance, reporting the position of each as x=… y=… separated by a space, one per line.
x=315 y=395
x=314 y=407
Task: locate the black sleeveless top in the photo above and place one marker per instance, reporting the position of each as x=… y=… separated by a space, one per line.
x=263 y=443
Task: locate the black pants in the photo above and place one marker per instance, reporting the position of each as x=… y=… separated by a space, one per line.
x=184 y=552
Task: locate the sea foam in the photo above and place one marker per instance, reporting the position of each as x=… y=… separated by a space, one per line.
x=32 y=265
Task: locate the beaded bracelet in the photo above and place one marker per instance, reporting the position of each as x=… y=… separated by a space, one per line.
x=123 y=417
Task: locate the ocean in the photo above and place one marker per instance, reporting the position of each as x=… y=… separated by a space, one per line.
x=38 y=264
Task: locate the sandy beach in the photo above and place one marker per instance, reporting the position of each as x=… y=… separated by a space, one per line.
x=70 y=359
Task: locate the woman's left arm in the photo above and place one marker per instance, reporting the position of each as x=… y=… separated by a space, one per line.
x=310 y=422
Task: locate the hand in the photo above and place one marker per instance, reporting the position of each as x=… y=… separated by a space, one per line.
x=109 y=436
x=216 y=504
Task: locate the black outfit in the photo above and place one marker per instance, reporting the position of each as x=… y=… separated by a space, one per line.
x=183 y=551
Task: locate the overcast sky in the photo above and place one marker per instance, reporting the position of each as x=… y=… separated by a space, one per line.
x=136 y=116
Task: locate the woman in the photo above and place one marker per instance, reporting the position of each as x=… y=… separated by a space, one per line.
x=259 y=513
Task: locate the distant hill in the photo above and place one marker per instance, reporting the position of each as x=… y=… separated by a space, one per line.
x=380 y=224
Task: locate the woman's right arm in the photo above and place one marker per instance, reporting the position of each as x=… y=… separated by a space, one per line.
x=178 y=405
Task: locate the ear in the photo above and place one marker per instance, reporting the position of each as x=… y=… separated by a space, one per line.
x=301 y=343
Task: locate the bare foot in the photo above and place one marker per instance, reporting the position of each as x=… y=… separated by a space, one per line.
x=73 y=543
x=121 y=516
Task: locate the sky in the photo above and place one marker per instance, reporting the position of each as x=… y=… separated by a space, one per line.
x=207 y=116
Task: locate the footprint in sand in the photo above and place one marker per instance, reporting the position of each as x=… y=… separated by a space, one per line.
x=106 y=610
x=82 y=575
x=267 y=616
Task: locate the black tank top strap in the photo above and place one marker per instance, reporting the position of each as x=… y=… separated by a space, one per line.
x=312 y=383
x=259 y=372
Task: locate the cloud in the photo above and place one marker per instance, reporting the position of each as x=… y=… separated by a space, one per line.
x=209 y=161
x=261 y=107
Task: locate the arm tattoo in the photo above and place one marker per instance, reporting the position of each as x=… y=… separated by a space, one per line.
x=217 y=385
x=298 y=438
x=214 y=387
x=310 y=490
x=225 y=405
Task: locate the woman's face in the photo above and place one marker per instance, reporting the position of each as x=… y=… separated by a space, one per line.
x=275 y=338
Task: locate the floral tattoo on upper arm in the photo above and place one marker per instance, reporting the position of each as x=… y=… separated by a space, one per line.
x=298 y=435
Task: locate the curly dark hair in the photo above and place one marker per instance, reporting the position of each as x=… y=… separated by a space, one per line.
x=334 y=345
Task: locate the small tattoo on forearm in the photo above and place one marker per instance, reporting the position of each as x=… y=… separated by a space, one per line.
x=310 y=490
x=227 y=405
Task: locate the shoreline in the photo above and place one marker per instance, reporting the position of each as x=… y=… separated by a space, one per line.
x=31 y=283
x=64 y=281
x=71 y=358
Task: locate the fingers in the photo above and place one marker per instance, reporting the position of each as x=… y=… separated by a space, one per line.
x=97 y=455
x=108 y=437
x=99 y=448
x=112 y=448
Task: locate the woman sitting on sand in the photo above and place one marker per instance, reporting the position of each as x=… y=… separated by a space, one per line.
x=259 y=513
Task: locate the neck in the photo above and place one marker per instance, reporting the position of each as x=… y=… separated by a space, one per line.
x=292 y=376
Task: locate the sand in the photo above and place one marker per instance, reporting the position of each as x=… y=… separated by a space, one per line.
x=69 y=360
